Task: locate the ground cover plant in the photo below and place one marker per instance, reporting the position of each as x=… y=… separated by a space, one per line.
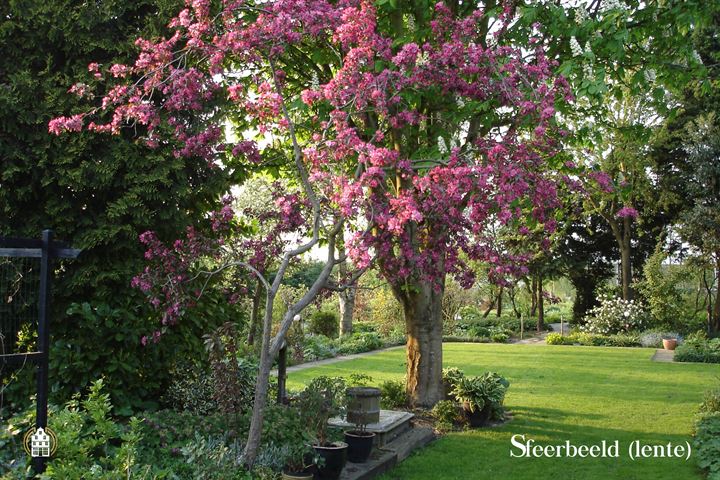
x=583 y=394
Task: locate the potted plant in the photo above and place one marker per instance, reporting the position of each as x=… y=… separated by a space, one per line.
x=669 y=343
x=323 y=398
x=481 y=397
x=360 y=443
x=298 y=463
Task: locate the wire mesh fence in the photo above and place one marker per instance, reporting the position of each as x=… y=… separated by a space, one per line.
x=19 y=287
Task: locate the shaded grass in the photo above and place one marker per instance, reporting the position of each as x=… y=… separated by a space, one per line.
x=557 y=393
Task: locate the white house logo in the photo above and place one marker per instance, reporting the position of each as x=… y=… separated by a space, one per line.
x=40 y=442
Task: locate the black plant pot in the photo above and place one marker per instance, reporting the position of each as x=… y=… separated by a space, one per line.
x=334 y=457
x=478 y=418
x=359 y=445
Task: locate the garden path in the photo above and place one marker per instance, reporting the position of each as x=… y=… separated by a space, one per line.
x=328 y=361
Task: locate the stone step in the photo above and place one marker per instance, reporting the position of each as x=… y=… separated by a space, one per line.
x=386 y=457
x=392 y=424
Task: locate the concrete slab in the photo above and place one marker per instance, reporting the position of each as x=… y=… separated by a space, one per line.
x=391 y=425
x=662 y=355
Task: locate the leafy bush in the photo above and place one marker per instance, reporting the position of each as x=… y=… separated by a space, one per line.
x=707 y=444
x=318 y=347
x=446 y=414
x=499 y=336
x=615 y=315
x=711 y=402
x=393 y=394
x=697 y=348
x=324 y=322
x=191 y=389
x=359 y=342
x=707 y=435
x=359 y=380
x=486 y=391
x=557 y=339
x=88 y=440
x=324 y=397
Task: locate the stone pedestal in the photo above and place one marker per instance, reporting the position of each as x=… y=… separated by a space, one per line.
x=392 y=424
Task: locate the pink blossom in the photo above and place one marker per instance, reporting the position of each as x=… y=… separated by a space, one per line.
x=627 y=212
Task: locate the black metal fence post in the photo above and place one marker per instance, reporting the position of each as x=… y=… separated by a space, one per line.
x=43 y=341
x=282 y=374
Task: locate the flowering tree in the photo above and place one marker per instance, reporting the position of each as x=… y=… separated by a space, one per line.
x=412 y=127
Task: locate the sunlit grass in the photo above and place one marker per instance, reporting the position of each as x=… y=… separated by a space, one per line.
x=581 y=394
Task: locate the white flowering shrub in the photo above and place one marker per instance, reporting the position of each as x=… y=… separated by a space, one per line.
x=615 y=315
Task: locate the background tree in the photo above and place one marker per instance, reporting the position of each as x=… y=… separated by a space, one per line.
x=98 y=194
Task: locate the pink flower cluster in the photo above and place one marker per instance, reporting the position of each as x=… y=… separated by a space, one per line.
x=420 y=216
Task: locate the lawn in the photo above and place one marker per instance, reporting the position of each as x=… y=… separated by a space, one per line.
x=557 y=393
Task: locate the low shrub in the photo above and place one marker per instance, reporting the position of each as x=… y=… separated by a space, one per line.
x=359 y=342
x=698 y=348
x=485 y=391
x=318 y=347
x=499 y=336
x=393 y=394
x=594 y=340
x=88 y=441
x=707 y=444
x=324 y=322
x=558 y=339
x=707 y=434
x=447 y=415
x=464 y=339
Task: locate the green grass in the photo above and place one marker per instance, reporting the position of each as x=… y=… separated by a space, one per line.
x=557 y=393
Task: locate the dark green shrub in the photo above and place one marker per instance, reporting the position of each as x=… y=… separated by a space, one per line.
x=697 y=348
x=191 y=389
x=324 y=322
x=393 y=394
x=707 y=444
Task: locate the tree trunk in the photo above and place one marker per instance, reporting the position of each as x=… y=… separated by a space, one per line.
x=423 y=319
x=499 y=302
x=533 y=296
x=346 y=298
x=255 y=314
x=626 y=262
x=715 y=323
x=261 y=387
x=540 y=304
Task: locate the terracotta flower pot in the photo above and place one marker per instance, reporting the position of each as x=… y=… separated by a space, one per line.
x=669 y=343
